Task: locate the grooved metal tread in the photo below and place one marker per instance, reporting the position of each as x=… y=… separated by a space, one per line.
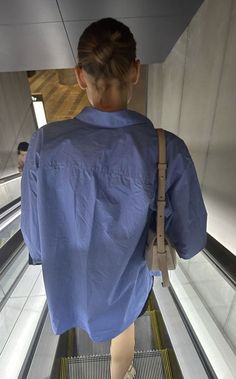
x=148 y=365
x=144 y=339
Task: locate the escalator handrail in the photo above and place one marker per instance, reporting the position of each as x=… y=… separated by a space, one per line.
x=9 y=207
x=7 y=179
x=9 y=250
x=222 y=258
x=7 y=218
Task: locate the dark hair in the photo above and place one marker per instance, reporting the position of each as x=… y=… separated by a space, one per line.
x=23 y=146
x=106 y=49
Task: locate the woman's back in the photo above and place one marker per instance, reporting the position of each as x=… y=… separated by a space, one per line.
x=88 y=199
x=95 y=185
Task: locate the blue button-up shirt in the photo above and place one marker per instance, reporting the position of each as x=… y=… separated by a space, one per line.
x=88 y=198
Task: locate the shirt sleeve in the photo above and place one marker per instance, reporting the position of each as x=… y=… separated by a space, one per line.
x=186 y=215
x=29 y=204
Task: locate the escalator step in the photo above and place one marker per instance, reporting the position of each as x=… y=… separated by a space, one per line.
x=148 y=364
x=145 y=339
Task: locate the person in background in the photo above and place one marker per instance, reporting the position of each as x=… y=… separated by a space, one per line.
x=88 y=198
x=21 y=152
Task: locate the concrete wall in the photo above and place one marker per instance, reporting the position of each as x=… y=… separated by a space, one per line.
x=193 y=95
x=17 y=124
x=138 y=101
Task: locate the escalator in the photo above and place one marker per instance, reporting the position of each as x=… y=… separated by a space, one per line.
x=169 y=343
x=11 y=247
x=151 y=359
x=180 y=335
x=22 y=301
x=15 y=273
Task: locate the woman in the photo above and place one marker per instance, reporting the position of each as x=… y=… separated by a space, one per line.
x=88 y=197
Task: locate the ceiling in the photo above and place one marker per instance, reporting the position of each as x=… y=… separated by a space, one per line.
x=43 y=34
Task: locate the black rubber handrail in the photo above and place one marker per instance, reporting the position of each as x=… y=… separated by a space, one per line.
x=10 y=249
x=222 y=258
x=13 y=213
x=9 y=178
x=7 y=207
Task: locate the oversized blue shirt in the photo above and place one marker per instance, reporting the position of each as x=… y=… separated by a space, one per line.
x=88 y=199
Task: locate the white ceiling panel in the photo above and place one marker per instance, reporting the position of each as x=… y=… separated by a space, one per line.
x=28 y=11
x=90 y=9
x=32 y=33
x=74 y=31
x=155 y=37
x=34 y=47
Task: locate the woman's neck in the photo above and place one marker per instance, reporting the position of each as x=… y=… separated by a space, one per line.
x=109 y=98
x=111 y=106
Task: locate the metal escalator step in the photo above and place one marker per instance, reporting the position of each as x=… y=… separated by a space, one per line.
x=148 y=365
x=144 y=338
x=85 y=346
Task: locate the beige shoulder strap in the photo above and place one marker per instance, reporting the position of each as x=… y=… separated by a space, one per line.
x=161 y=175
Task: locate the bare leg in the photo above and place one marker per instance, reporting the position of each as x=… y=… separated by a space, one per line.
x=122 y=353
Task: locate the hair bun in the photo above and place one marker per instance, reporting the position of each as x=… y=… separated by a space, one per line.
x=106 y=49
x=103 y=53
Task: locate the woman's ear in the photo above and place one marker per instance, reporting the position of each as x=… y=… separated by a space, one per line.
x=80 y=77
x=135 y=73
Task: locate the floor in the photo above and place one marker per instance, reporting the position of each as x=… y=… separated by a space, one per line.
x=60 y=101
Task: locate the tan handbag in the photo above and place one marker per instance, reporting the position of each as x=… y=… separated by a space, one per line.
x=160 y=255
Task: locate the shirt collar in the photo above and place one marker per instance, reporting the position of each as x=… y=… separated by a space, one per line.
x=116 y=119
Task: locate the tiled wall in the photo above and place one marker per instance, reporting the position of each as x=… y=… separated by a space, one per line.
x=17 y=122
x=193 y=95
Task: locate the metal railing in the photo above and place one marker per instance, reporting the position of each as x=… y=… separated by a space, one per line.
x=7 y=179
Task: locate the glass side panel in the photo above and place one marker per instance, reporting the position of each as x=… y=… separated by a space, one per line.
x=14 y=270
x=208 y=299
x=10 y=191
x=10 y=229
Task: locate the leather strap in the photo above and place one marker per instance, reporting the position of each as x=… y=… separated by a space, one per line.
x=161 y=175
x=164 y=270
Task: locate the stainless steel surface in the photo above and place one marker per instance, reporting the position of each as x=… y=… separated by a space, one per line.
x=42 y=362
x=148 y=365
x=186 y=354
